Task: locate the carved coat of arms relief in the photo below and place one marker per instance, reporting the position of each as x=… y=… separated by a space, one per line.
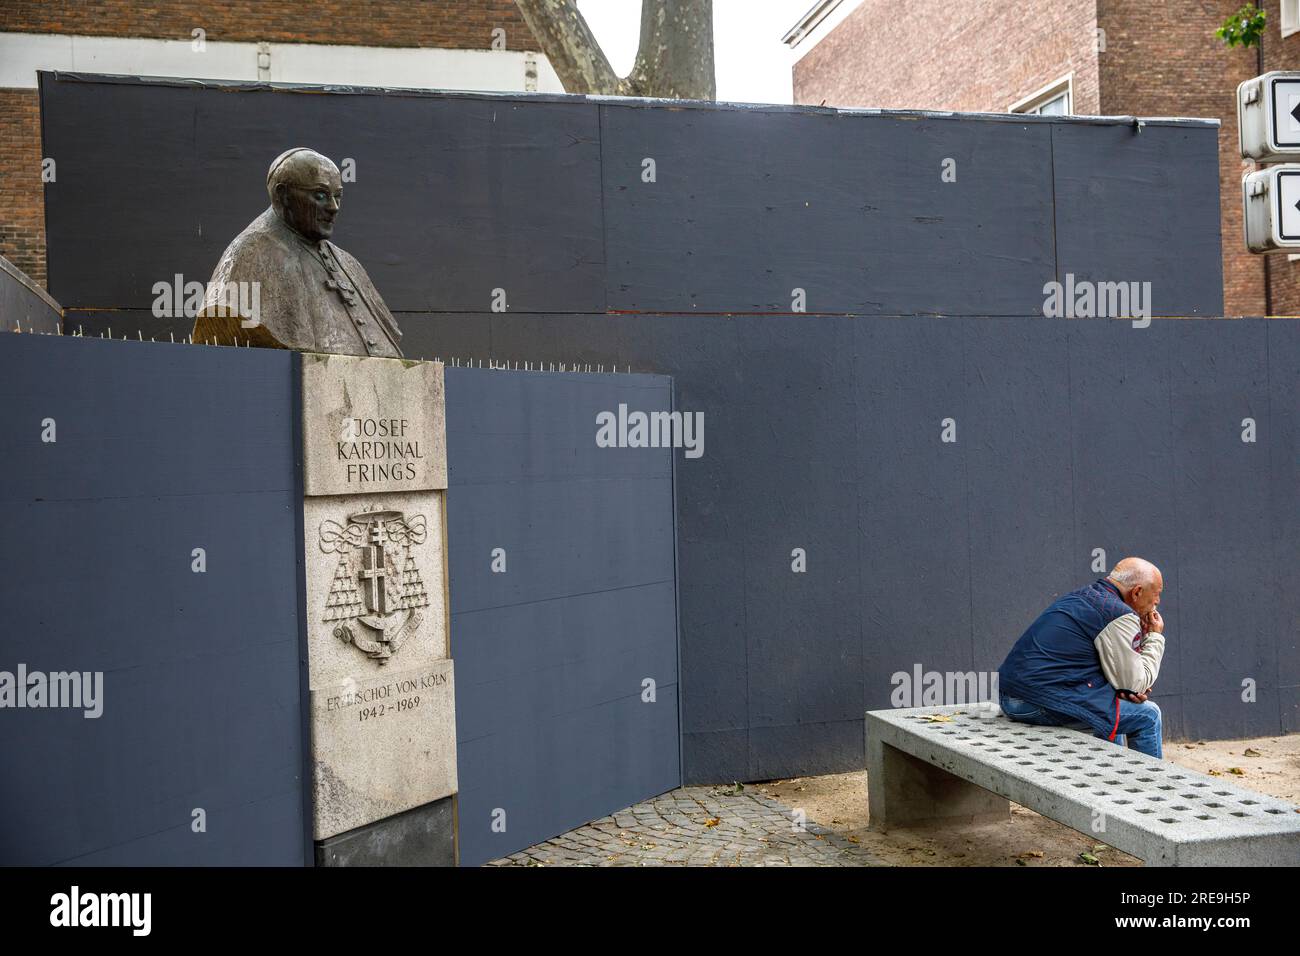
x=377 y=591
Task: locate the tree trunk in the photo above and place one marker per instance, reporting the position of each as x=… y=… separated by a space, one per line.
x=674 y=59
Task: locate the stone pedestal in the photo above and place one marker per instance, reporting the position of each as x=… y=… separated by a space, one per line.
x=419 y=837
x=383 y=719
x=903 y=791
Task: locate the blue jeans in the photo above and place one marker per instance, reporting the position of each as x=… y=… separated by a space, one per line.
x=1141 y=722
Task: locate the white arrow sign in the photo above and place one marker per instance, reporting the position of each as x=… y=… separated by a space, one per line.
x=1271 y=208
x=1286 y=106
x=1287 y=180
x=1268 y=117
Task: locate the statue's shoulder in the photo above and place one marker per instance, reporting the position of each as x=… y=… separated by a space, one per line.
x=261 y=235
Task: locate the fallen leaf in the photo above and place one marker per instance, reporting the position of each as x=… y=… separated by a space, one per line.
x=936 y=718
x=1252 y=752
x=854 y=839
x=1214 y=773
x=712 y=822
x=1020 y=862
x=1088 y=858
x=1035 y=854
x=1237 y=771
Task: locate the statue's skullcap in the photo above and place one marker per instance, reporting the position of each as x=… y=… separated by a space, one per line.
x=282 y=161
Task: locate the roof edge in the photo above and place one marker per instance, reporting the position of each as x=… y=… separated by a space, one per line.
x=64 y=76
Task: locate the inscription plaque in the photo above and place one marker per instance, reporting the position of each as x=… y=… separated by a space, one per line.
x=383 y=717
x=372 y=426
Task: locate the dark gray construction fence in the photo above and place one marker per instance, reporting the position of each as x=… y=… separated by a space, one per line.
x=826 y=434
x=563 y=605
x=822 y=431
x=120 y=459
x=452 y=197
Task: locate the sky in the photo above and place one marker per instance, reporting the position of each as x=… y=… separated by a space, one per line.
x=751 y=63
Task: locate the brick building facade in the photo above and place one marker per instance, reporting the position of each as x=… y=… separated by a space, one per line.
x=1115 y=57
x=22 y=201
x=452 y=25
x=448 y=24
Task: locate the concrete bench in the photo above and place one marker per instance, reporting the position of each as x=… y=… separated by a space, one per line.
x=922 y=772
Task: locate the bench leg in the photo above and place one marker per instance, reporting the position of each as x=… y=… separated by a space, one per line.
x=905 y=792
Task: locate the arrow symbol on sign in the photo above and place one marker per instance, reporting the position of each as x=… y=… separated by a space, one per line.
x=1295 y=113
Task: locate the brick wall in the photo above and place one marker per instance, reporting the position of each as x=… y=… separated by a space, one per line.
x=936 y=54
x=22 y=203
x=1164 y=60
x=449 y=24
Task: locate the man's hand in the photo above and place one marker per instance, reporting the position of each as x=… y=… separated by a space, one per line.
x=1135 y=698
x=1152 y=622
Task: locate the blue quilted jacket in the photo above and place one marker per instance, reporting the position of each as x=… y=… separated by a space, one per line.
x=1055 y=664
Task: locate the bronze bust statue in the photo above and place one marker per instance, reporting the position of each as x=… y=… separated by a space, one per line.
x=282 y=283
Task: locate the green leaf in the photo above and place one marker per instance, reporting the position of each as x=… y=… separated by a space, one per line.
x=1245 y=27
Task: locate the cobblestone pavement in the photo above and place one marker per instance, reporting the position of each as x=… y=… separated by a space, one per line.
x=698 y=826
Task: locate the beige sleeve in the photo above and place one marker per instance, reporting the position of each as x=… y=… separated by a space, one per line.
x=1124 y=667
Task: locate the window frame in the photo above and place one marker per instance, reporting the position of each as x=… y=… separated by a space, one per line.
x=1030 y=104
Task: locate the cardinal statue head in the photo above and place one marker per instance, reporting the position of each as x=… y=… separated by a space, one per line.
x=306 y=192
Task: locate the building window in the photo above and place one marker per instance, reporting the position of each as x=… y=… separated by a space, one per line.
x=1055 y=99
x=1290 y=17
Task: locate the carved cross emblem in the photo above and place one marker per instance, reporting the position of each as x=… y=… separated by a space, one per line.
x=377 y=591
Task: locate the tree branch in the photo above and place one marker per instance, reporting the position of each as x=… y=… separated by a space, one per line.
x=675 y=56
x=568 y=43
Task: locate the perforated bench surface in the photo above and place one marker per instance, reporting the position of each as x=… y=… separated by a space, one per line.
x=1153 y=809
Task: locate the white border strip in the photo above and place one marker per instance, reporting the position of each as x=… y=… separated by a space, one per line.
x=22 y=54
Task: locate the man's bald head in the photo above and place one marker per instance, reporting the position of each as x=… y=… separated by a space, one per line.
x=306 y=191
x=1140 y=583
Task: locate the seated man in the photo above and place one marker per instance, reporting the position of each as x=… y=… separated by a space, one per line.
x=1090 y=659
